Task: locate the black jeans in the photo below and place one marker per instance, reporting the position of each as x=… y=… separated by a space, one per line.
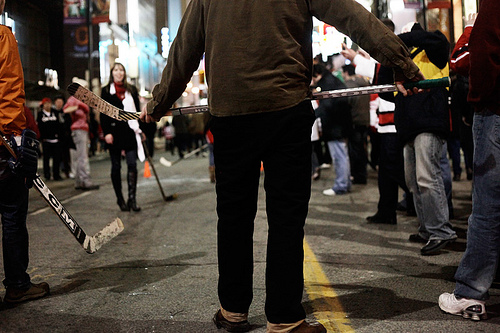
x=14 y=209
x=390 y=175
x=282 y=141
x=358 y=154
x=51 y=151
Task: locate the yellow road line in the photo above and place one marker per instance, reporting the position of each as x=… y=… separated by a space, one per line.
x=327 y=308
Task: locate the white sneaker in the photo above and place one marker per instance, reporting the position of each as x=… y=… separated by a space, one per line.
x=325 y=166
x=465 y=307
x=329 y=192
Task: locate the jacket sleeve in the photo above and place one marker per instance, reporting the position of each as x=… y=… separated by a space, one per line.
x=183 y=59
x=12 y=120
x=435 y=44
x=83 y=107
x=459 y=61
x=484 y=44
x=366 y=30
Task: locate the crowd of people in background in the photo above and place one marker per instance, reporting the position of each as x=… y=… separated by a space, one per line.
x=411 y=140
x=351 y=133
x=70 y=133
x=66 y=131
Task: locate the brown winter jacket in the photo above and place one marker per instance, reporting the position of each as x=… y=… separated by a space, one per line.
x=258 y=53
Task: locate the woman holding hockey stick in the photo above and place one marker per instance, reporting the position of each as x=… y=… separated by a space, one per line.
x=123 y=136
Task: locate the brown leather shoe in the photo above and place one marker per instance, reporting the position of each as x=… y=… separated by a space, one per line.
x=230 y=326
x=307 y=327
x=35 y=291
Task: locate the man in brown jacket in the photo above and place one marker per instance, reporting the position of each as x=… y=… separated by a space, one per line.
x=258 y=59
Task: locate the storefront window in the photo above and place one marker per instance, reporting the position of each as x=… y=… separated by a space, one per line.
x=439 y=19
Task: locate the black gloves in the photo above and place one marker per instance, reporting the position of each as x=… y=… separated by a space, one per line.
x=25 y=165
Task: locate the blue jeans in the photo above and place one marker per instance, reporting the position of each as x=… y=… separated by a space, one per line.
x=424 y=179
x=480 y=260
x=340 y=157
x=14 y=209
x=82 y=168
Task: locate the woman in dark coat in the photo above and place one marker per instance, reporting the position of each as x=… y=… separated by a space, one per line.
x=122 y=136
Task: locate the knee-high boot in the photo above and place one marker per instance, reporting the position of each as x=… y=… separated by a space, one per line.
x=117 y=186
x=132 y=187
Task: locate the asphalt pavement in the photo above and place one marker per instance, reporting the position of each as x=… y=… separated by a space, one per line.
x=160 y=273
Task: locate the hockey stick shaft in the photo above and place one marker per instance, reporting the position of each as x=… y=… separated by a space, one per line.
x=150 y=160
x=377 y=89
x=90 y=244
x=95 y=101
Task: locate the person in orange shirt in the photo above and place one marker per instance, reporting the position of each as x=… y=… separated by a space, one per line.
x=16 y=174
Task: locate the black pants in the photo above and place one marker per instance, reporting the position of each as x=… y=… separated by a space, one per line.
x=282 y=141
x=390 y=174
x=14 y=198
x=51 y=151
x=116 y=161
x=358 y=154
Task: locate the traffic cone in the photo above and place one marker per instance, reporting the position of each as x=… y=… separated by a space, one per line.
x=147 y=172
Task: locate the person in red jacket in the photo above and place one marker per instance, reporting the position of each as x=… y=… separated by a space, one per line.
x=477 y=268
x=459 y=61
x=79 y=112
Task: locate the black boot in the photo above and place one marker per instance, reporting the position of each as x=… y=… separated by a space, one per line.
x=117 y=186
x=132 y=187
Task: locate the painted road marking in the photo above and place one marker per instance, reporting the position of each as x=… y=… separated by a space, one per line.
x=327 y=308
x=43 y=210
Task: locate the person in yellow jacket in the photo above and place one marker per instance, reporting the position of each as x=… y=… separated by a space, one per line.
x=16 y=173
x=423 y=125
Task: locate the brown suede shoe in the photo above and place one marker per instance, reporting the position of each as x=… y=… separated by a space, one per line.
x=307 y=327
x=221 y=322
x=35 y=291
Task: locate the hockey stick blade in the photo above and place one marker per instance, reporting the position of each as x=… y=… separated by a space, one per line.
x=89 y=244
x=150 y=160
x=168 y=164
x=92 y=100
x=105 y=235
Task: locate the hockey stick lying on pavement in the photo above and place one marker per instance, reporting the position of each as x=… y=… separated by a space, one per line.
x=166 y=198
x=167 y=163
x=92 y=100
x=90 y=244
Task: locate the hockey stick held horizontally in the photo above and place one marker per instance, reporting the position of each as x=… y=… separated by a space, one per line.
x=90 y=243
x=92 y=100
